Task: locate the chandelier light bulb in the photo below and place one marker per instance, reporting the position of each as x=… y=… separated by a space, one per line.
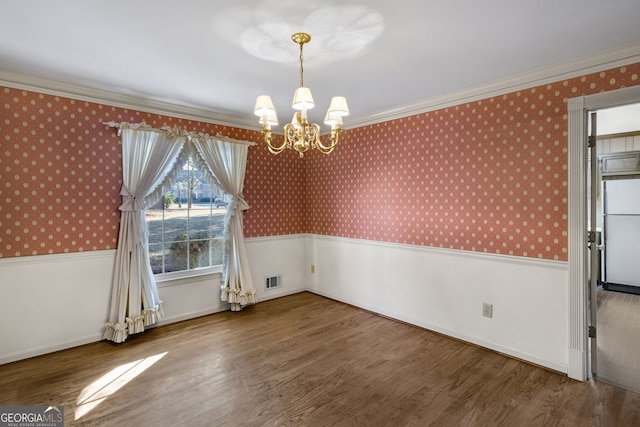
x=269 y=119
x=294 y=121
x=332 y=119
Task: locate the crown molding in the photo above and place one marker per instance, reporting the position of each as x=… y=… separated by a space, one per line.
x=617 y=57
x=611 y=58
x=83 y=93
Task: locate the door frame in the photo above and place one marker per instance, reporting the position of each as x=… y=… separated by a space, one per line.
x=578 y=109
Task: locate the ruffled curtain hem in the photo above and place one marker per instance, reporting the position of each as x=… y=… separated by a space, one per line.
x=119 y=332
x=238 y=298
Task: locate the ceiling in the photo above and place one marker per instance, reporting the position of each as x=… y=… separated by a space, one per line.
x=219 y=55
x=618 y=120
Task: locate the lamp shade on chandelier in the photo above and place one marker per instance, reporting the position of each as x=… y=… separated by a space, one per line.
x=300 y=134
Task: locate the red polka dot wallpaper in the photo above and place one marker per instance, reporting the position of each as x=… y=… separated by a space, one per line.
x=61 y=174
x=487 y=176
x=275 y=190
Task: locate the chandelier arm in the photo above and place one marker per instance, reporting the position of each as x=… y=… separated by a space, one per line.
x=273 y=149
x=313 y=135
x=335 y=138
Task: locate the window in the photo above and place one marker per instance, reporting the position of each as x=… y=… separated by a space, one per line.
x=186 y=227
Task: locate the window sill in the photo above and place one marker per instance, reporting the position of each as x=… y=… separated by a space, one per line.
x=185 y=277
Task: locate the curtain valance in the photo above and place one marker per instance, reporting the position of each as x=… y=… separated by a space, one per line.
x=174 y=131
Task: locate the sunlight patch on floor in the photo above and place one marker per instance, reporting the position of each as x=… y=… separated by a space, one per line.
x=98 y=391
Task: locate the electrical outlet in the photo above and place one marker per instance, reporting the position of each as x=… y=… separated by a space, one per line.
x=313 y=268
x=487 y=310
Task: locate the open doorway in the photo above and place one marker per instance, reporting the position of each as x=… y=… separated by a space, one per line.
x=580 y=321
x=616 y=193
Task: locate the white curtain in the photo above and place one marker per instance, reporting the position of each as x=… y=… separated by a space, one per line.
x=227 y=162
x=148 y=156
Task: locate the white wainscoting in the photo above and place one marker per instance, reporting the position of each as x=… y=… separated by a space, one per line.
x=444 y=291
x=53 y=302
x=196 y=296
x=278 y=255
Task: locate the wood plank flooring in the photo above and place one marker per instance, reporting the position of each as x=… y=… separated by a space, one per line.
x=304 y=360
x=618 y=325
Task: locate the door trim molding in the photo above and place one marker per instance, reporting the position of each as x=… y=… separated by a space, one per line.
x=578 y=108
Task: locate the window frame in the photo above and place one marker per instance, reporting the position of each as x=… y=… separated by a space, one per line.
x=173 y=278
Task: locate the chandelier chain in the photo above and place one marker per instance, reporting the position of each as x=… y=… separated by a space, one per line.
x=301 y=67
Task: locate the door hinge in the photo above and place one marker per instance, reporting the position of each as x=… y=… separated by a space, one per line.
x=591 y=236
x=591 y=141
x=592 y=331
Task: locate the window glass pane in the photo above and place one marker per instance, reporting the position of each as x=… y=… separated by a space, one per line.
x=186 y=227
x=200 y=221
x=199 y=253
x=216 y=250
x=154 y=222
x=176 y=258
x=156 y=257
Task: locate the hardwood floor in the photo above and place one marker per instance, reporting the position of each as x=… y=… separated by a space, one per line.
x=305 y=360
x=618 y=325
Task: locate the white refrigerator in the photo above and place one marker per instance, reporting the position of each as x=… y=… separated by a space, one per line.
x=622 y=234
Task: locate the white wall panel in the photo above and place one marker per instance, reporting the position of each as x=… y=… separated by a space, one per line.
x=59 y=301
x=190 y=297
x=444 y=290
x=53 y=302
x=271 y=256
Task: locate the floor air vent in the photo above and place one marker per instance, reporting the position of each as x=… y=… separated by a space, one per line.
x=273 y=282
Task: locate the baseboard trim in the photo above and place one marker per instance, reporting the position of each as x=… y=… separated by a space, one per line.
x=224 y=307
x=166 y=321
x=547 y=364
x=617 y=287
x=51 y=349
x=577 y=368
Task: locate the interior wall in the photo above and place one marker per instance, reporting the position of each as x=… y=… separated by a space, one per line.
x=62 y=173
x=444 y=290
x=484 y=176
x=53 y=302
x=442 y=190
x=609 y=144
x=275 y=190
x=61 y=176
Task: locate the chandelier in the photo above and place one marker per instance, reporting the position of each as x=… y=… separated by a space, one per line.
x=300 y=134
